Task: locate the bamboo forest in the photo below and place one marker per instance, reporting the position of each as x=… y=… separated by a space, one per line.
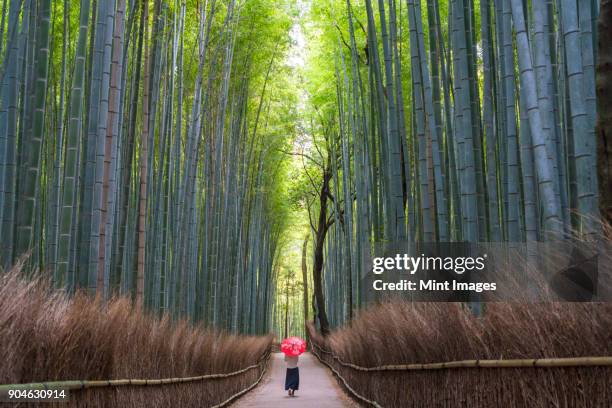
x=185 y=183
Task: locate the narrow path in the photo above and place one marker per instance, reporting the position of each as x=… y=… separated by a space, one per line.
x=317 y=387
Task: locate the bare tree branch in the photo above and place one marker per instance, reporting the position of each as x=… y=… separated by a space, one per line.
x=304 y=155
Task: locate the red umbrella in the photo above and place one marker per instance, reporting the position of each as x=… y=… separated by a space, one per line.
x=293 y=346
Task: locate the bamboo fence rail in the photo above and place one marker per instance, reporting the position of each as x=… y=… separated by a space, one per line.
x=344 y=381
x=501 y=363
x=75 y=385
x=510 y=363
x=249 y=388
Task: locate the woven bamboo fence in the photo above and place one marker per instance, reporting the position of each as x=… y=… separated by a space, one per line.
x=81 y=386
x=561 y=382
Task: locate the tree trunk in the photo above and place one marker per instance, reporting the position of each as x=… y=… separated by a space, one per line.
x=604 y=111
x=142 y=207
x=317 y=272
x=26 y=211
x=111 y=133
x=71 y=163
x=305 y=279
x=544 y=168
x=287 y=307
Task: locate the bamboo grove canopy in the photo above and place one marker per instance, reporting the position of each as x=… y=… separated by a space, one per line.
x=458 y=120
x=138 y=150
x=143 y=143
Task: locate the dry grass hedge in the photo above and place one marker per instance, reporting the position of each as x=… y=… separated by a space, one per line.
x=46 y=336
x=404 y=333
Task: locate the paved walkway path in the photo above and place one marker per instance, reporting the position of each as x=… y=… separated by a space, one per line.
x=317 y=387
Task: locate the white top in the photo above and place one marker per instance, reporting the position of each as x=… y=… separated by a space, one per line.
x=292 y=361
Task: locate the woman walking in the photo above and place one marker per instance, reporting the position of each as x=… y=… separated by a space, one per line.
x=292 y=347
x=292 y=379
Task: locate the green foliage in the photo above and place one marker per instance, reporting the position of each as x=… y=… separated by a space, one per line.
x=221 y=106
x=418 y=117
